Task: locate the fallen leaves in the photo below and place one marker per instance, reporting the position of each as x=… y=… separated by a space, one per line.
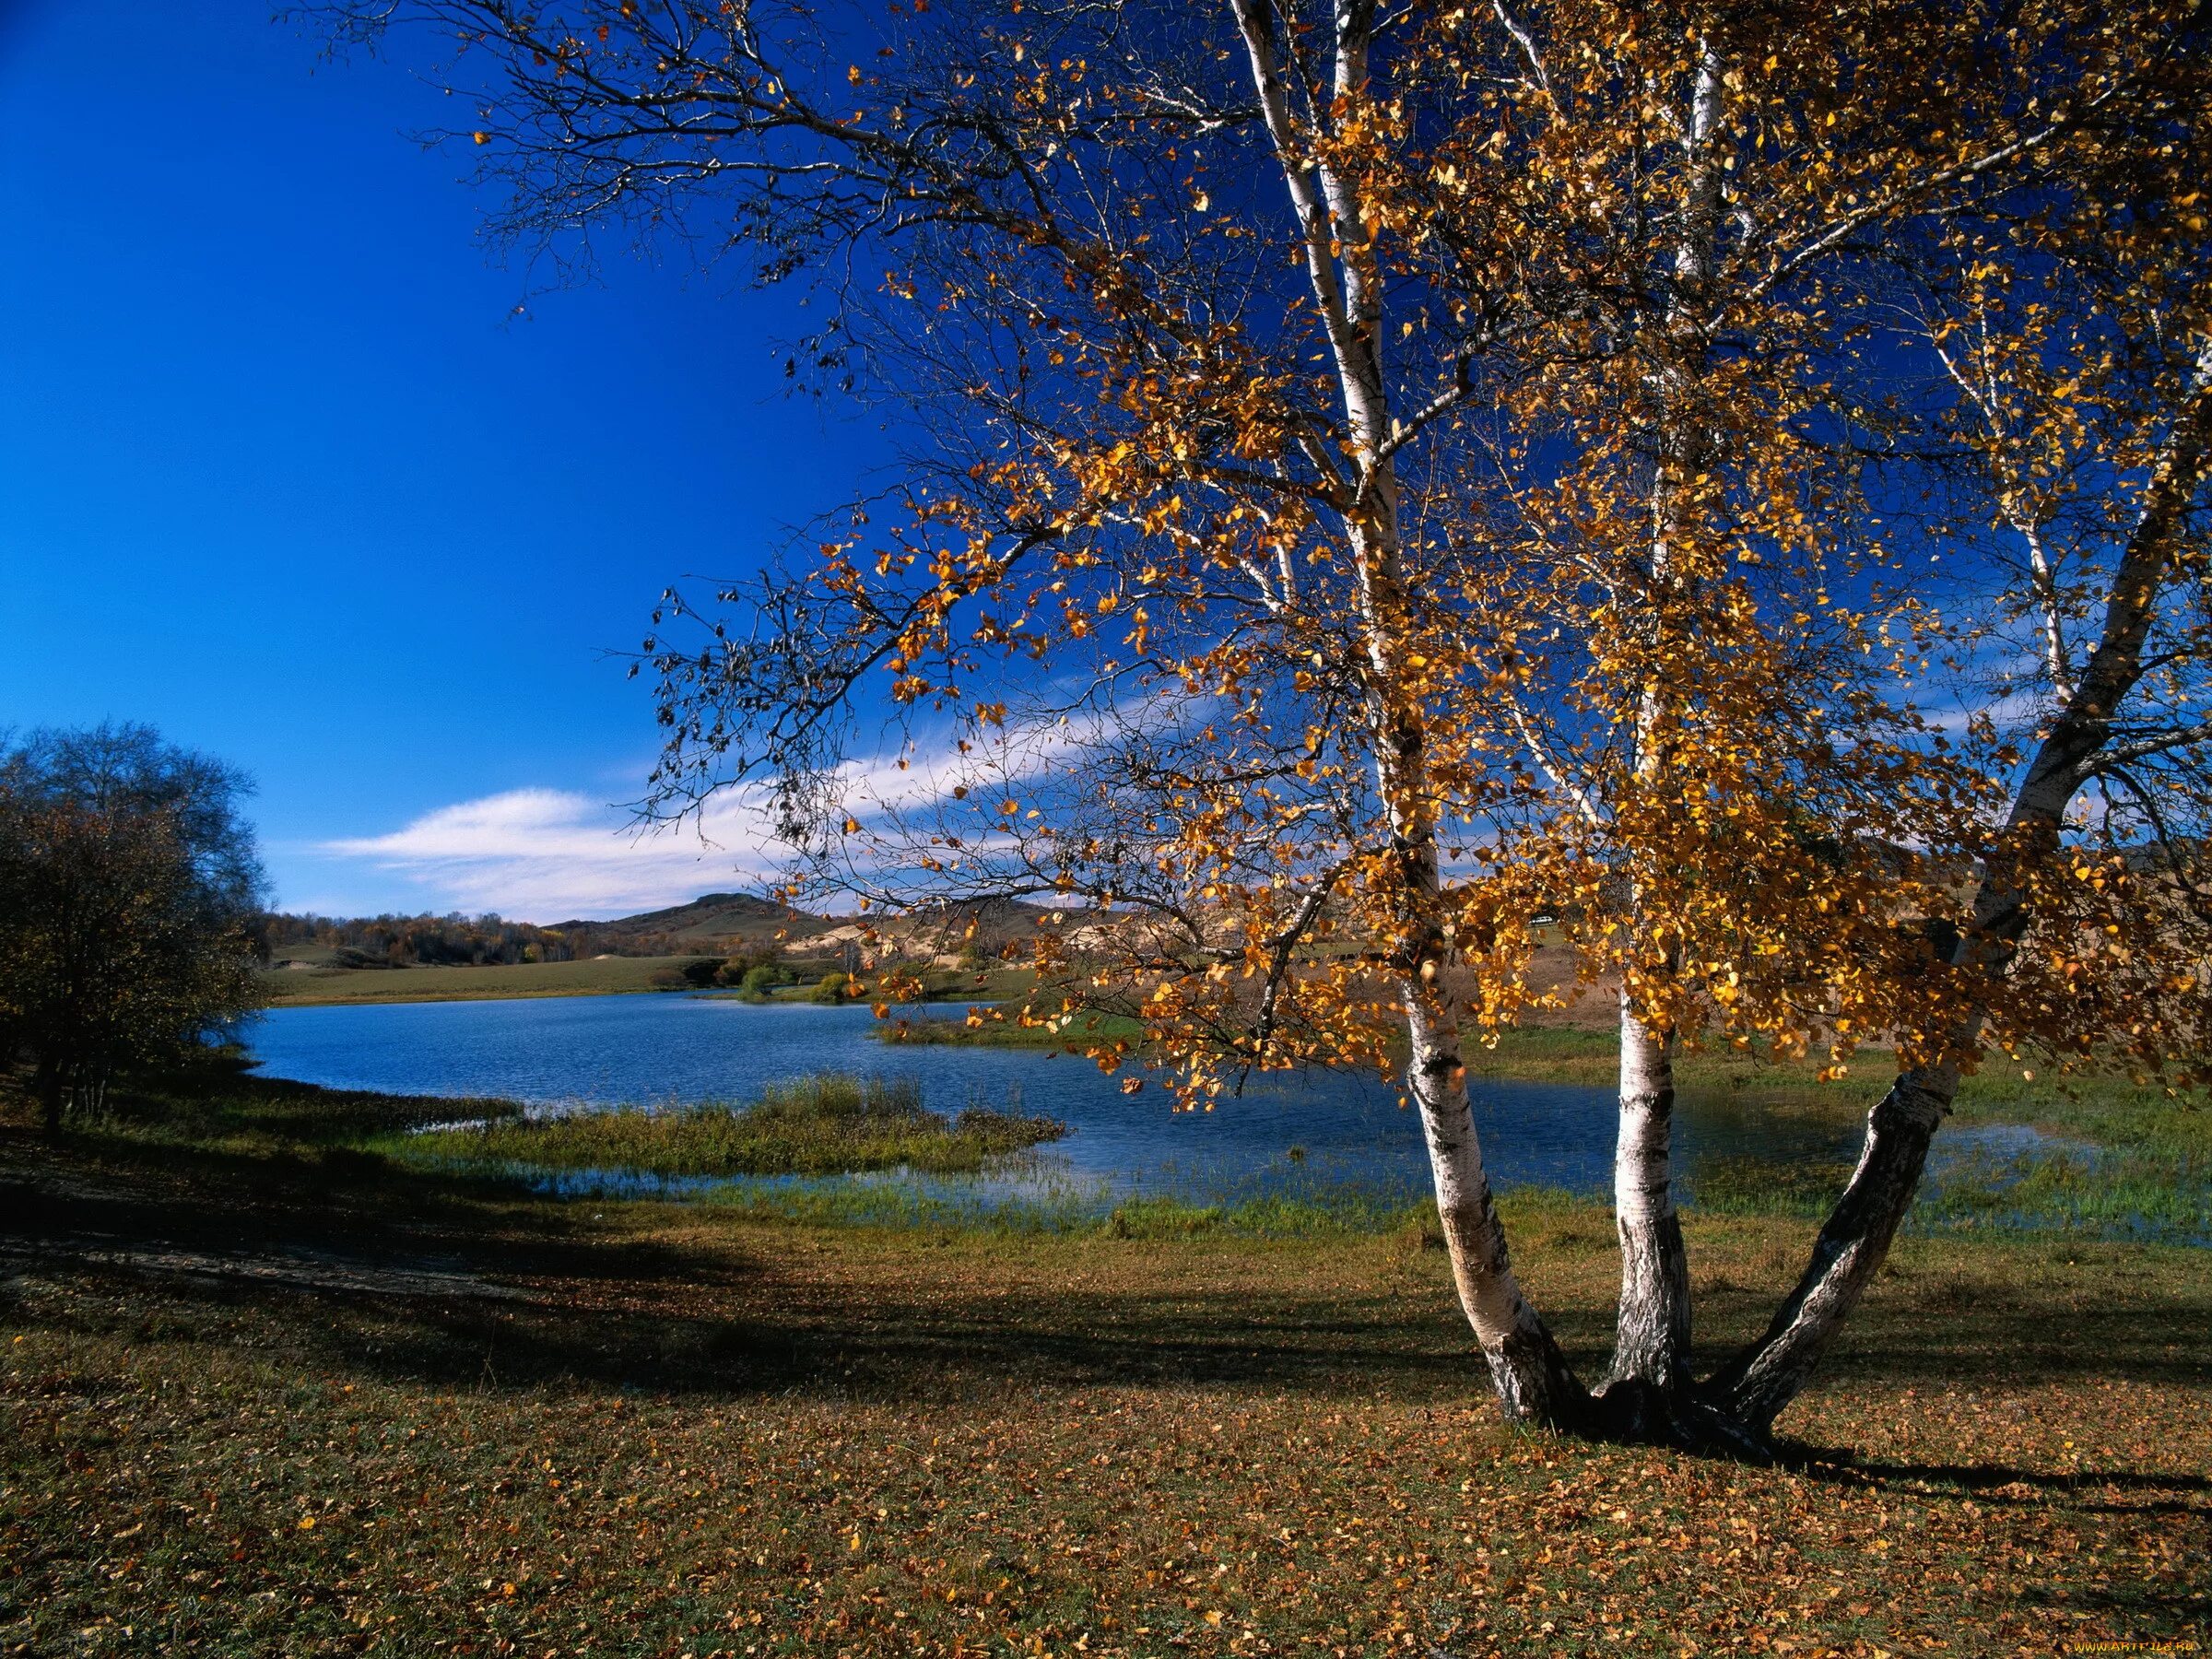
x=803 y=1441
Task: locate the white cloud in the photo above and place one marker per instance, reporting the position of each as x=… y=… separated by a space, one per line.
x=549 y=855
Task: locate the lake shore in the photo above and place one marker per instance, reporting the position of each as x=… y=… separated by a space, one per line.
x=600 y=976
x=285 y=1397
x=323 y=987
x=2100 y=1157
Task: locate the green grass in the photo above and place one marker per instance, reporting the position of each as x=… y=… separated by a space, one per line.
x=995 y=1032
x=1079 y=1208
x=821 y=1126
x=219 y=1104
x=610 y=977
x=2110 y=1110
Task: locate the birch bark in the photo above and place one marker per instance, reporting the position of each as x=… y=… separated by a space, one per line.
x=1652 y=1333
x=1650 y=1340
x=1529 y=1373
x=1533 y=1381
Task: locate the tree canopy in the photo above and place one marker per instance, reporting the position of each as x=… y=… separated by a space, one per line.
x=128 y=884
x=1379 y=476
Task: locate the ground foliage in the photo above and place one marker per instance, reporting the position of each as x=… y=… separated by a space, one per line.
x=249 y=1424
x=821 y=1126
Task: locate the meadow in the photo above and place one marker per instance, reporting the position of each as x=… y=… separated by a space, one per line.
x=264 y=1390
x=602 y=976
x=599 y=976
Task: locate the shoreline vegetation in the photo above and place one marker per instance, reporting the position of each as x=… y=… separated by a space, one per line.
x=285 y=1394
x=2128 y=1160
x=602 y=976
x=2110 y=1162
x=829 y=1125
x=325 y=986
x=1572 y=1053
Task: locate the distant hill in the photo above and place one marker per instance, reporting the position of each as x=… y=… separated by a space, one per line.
x=992 y=924
x=716 y=924
x=708 y=923
x=713 y=925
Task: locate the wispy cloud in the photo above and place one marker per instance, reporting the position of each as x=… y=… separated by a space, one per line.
x=547 y=854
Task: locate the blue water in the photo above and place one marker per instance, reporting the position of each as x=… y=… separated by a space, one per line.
x=581 y=1051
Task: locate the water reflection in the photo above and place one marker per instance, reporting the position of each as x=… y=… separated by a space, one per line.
x=1353 y=1143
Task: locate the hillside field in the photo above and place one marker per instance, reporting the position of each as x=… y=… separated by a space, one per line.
x=294 y=987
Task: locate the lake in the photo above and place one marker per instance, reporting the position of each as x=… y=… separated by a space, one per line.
x=1324 y=1133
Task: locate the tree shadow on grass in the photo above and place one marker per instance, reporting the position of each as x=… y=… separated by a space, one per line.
x=339 y=1253
x=331 y=1202
x=536 y=1295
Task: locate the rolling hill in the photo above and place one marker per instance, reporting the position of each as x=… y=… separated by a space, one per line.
x=711 y=923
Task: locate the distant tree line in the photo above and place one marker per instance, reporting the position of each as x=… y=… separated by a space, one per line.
x=452 y=940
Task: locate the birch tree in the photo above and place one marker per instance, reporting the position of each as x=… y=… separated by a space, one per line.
x=1371 y=476
x=2075 y=342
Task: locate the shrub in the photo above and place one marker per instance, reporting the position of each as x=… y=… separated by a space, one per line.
x=128 y=885
x=763 y=976
x=833 y=987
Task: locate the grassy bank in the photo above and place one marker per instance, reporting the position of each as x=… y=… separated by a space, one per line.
x=256 y=1398
x=220 y=1107
x=606 y=976
x=610 y=976
x=2131 y=1161
x=1006 y=1032
x=821 y=1126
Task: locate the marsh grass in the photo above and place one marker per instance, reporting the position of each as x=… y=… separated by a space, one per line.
x=2105 y=1193
x=828 y=1124
x=216 y=1103
x=2069 y=1187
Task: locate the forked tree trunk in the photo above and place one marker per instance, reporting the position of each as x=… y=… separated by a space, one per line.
x=1529 y=1372
x=1651 y=1330
x=1853 y=1244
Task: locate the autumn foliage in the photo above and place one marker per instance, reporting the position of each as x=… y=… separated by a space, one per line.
x=1379 y=479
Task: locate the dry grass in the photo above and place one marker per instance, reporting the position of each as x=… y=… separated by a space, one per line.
x=234 y=1420
x=291 y=988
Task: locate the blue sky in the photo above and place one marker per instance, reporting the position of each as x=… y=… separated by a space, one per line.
x=281 y=472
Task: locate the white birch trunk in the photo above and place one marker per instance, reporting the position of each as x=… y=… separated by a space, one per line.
x=1651 y=1332
x=1533 y=1381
